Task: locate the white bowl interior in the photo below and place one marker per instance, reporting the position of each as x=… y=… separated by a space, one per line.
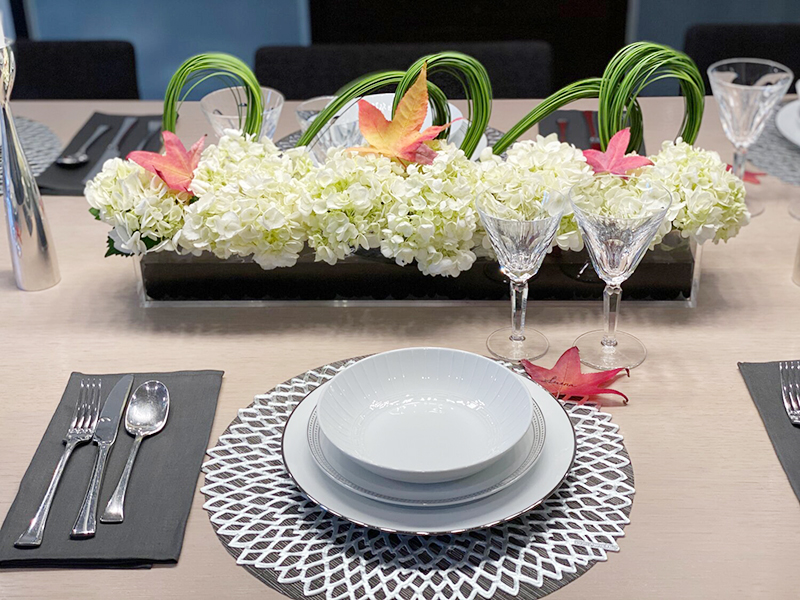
x=425 y=411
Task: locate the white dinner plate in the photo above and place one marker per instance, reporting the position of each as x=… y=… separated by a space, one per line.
x=788 y=122
x=528 y=492
x=508 y=469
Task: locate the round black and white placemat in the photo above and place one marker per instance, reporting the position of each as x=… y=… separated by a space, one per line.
x=40 y=144
x=775 y=155
x=293 y=545
x=290 y=141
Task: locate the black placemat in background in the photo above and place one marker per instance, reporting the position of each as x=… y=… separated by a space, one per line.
x=160 y=491
x=68 y=181
x=764 y=384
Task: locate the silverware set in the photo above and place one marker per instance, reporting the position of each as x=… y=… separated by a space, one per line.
x=80 y=157
x=790 y=389
x=146 y=415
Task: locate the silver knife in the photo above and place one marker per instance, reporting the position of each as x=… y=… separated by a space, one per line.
x=104 y=436
x=112 y=150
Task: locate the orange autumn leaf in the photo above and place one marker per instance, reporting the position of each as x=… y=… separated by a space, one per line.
x=566 y=381
x=401 y=137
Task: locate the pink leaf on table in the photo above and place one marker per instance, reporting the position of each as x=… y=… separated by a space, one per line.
x=749 y=176
x=614 y=160
x=566 y=381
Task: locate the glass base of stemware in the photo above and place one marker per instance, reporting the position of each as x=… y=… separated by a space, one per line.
x=534 y=346
x=628 y=353
x=756 y=207
x=794 y=209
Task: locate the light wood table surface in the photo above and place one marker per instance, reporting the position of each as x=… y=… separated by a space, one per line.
x=713 y=515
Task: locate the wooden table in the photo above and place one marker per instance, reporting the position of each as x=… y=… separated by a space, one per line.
x=713 y=516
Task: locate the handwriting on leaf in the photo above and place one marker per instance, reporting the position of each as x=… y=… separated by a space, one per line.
x=566 y=381
x=401 y=137
x=176 y=166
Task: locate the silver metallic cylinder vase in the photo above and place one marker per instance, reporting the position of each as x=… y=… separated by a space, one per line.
x=32 y=254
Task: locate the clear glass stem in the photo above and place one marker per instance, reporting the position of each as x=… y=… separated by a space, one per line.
x=519 y=301
x=739 y=159
x=611 y=298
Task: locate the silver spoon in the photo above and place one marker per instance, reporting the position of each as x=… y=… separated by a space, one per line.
x=146 y=415
x=79 y=157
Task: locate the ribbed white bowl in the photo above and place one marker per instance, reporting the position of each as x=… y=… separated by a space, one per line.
x=425 y=415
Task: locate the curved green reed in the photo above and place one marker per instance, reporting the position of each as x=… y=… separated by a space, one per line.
x=473 y=78
x=631 y=70
x=197 y=69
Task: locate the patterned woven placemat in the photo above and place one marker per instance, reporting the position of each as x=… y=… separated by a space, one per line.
x=296 y=547
x=776 y=155
x=40 y=144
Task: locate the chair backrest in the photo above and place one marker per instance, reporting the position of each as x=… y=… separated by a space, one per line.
x=517 y=69
x=75 y=70
x=708 y=43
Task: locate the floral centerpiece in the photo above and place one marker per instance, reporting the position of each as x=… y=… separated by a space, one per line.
x=408 y=195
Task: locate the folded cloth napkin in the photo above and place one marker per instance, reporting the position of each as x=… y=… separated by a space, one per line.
x=160 y=490
x=764 y=383
x=68 y=181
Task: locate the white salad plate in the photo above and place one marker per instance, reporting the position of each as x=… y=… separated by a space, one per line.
x=525 y=494
x=425 y=415
x=508 y=469
x=788 y=122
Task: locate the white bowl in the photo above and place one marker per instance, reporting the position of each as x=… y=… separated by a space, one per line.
x=383 y=102
x=425 y=415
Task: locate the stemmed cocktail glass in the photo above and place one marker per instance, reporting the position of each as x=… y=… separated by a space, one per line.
x=616 y=245
x=520 y=245
x=747 y=90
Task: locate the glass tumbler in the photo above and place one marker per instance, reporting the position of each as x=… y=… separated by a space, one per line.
x=520 y=246
x=227 y=109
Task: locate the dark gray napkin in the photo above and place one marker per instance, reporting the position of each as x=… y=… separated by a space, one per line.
x=68 y=181
x=576 y=127
x=160 y=491
x=763 y=382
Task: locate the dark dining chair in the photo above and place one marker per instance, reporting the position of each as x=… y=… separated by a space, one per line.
x=708 y=43
x=516 y=69
x=75 y=70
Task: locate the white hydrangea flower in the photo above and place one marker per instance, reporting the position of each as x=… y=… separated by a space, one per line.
x=247 y=201
x=146 y=215
x=535 y=179
x=343 y=203
x=432 y=219
x=710 y=198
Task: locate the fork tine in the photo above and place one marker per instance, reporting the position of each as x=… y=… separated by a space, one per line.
x=77 y=416
x=95 y=403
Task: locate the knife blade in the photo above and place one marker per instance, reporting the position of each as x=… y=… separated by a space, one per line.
x=104 y=436
x=112 y=150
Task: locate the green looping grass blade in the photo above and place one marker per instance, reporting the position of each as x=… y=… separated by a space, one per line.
x=631 y=70
x=202 y=67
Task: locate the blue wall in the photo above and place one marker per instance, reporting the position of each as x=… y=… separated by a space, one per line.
x=166 y=32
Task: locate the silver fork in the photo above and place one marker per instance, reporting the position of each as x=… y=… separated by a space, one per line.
x=790 y=389
x=81 y=429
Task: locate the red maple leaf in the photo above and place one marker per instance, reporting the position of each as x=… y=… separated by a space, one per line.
x=176 y=166
x=566 y=381
x=614 y=160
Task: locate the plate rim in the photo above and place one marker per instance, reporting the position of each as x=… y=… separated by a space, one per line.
x=427 y=533
x=510 y=479
x=784 y=109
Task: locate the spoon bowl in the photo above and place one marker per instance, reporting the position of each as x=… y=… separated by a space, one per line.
x=148 y=409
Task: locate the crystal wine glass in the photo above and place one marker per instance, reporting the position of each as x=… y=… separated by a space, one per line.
x=616 y=246
x=747 y=89
x=520 y=246
x=226 y=108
